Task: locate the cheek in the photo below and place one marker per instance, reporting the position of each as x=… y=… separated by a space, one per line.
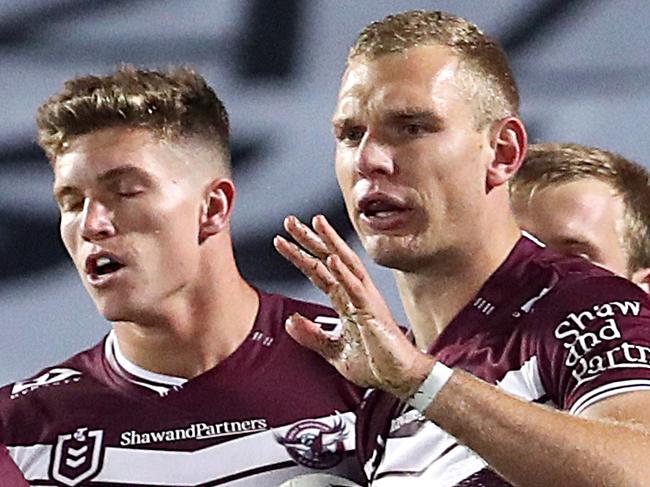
x=67 y=231
x=178 y=226
x=344 y=176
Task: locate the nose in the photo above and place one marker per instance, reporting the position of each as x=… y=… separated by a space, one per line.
x=96 y=221
x=373 y=157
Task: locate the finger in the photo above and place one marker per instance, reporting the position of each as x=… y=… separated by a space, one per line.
x=336 y=244
x=306 y=237
x=310 y=266
x=310 y=335
x=367 y=302
x=315 y=270
x=349 y=281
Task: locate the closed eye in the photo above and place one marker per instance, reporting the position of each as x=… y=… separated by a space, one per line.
x=130 y=193
x=414 y=129
x=68 y=199
x=349 y=134
x=71 y=204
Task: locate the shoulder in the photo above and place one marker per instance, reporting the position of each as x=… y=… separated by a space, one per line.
x=592 y=290
x=588 y=308
x=284 y=306
x=565 y=269
x=571 y=283
x=591 y=331
x=41 y=386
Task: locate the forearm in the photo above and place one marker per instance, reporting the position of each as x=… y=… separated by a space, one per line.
x=534 y=446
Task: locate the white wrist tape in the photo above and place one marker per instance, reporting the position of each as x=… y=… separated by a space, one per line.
x=429 y=389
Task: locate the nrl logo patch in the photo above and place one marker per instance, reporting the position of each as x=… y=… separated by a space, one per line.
x=77 y=457
x=316 y=444
x=56 y=376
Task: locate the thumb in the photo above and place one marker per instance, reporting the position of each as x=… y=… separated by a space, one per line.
x=311 y=335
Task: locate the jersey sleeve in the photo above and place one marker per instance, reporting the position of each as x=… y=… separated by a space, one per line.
x=597 y=344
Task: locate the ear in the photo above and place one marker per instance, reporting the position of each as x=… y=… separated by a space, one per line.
x=642 y=279
x=216 y=208
x=509 y=140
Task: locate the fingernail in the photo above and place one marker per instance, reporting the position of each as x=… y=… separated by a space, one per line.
x=317 y=219
x=290 y=319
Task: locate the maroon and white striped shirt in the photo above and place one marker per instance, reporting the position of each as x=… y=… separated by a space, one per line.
x=547 y=328
x=270 y=411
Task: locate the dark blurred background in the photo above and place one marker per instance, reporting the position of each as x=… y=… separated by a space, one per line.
x=582 y=66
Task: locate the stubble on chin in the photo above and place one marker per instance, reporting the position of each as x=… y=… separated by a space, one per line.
x=397 y=253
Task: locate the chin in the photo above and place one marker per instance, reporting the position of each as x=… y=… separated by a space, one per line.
x=386 y=255
x=121 y=310
x=112 y=313
x=397 y=261
x=400 y=253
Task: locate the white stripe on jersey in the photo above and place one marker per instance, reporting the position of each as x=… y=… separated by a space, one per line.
x=430 y=457
x=160 y=383
x=433 y=457
x=533 y=238
x=525 y=383
x=608 y=390
x=32 y=460
x=132 y=466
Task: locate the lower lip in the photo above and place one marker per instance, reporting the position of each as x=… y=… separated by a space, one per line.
x=100 y=281
x=386 y=221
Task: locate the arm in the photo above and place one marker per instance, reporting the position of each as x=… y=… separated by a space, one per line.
x=528 y=444
x=532 y=445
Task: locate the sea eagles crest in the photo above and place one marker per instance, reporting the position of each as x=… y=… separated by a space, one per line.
x=316 y=444
x=77 y=456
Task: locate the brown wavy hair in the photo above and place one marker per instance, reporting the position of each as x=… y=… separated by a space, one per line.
x=176 y=103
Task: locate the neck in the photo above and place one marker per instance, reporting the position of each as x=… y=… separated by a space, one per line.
x=433 y=296
x=195 y=332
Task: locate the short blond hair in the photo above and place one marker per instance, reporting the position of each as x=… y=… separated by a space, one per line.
x=488 y=78
x=554 y=164
x=177 y=103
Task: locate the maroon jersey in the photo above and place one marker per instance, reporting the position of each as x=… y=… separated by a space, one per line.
x=270 y=411
x=547 y=328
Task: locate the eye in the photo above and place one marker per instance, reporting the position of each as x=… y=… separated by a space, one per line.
x=414 y=129
x=71 y=204
x=350 y=135
x=128 y=190
x=130 y=193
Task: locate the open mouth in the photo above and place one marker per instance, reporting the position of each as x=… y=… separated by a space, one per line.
x=103 y=264
x=383 y=212
x=380 y=206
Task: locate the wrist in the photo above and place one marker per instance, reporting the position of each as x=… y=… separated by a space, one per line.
x=415 y=376
x=429 y=388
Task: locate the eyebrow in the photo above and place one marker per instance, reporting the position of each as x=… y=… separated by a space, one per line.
x=105 y=178
x=401 y=115
x=413 y=114
x=123 y=171
x=62 y=191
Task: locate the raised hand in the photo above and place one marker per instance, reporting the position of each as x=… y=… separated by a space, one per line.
x=371 y=351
